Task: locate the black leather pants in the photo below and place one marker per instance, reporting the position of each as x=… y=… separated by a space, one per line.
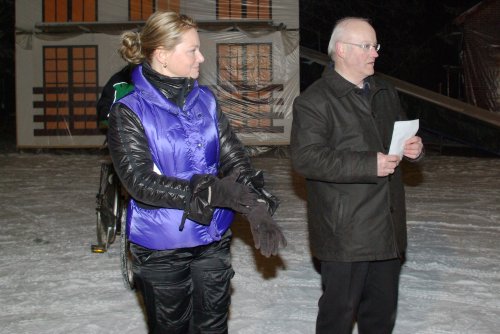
x=185 y=290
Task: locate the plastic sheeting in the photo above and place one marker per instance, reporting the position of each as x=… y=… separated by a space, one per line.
x=256 y=90
x=251 y=64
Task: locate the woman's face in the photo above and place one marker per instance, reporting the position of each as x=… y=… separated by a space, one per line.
x=185 y=59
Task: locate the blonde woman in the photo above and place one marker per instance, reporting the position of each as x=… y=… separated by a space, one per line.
x=187 y=173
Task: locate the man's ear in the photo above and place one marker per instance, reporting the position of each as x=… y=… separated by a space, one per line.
x=340 y=49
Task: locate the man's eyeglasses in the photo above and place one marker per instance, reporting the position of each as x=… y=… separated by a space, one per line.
x=365 y=46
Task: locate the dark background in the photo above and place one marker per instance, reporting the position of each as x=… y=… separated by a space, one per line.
x=418 y=39
x=7 y=83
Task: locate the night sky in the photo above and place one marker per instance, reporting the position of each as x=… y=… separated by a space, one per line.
x=416 y=38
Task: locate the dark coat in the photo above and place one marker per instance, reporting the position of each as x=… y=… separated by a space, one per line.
x=336 y=133
x=108 y=94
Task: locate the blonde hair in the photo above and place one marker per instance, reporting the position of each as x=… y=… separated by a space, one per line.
x=162 y=29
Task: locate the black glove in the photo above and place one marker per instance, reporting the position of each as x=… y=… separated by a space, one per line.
x=198 y=209
x=227 y=193
x=267 y=235
x=255 y=180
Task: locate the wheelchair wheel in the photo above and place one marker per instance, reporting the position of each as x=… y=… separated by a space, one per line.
x=107 y=209
x=125 y=255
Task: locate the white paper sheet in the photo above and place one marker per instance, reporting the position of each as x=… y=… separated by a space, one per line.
x=403 y=130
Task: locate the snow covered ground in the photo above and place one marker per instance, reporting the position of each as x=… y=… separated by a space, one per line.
x=50 y=282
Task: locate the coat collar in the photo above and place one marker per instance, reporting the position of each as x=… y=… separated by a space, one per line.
x=153 y=94
x=342 y=87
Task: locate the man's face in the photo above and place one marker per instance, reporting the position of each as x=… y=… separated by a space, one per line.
x=360 y=62
x=185 y=59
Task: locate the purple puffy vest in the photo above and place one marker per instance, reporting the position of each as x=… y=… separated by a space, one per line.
x=182 y=142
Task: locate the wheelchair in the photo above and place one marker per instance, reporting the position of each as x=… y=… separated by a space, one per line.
x=111 y=216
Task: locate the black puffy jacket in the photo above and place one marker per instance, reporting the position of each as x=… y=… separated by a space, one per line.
x=134 y=164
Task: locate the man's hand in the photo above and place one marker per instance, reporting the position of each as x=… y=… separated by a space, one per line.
x=386 y=164
x=413 y=147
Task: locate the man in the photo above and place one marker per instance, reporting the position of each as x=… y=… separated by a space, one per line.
x=115 y=85
x=341 y=132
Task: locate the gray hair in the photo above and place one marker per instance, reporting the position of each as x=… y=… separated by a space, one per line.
x=339 y=30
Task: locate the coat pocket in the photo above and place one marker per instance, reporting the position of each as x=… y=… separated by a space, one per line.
x=216 y=296
x=338 y=208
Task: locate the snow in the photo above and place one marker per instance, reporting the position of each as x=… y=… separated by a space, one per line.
x=50 y=282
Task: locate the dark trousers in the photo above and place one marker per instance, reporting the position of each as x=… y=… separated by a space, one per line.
x=185 y=290
x=366 y=292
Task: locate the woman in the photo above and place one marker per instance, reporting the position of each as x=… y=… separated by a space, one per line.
x=169 y=143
